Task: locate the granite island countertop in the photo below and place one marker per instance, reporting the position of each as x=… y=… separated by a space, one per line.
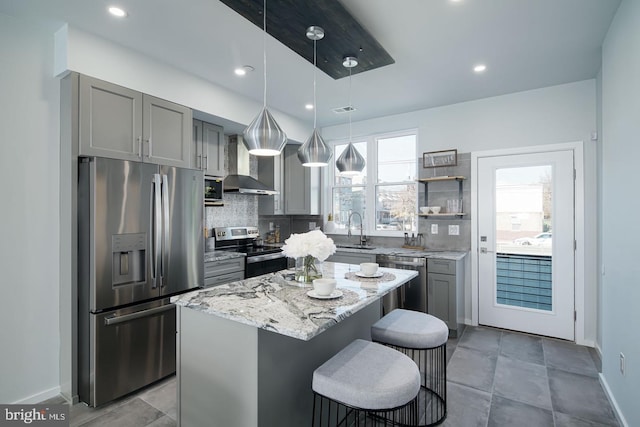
x=276 y=303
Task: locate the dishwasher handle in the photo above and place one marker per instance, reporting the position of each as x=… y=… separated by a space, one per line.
x=392 y=264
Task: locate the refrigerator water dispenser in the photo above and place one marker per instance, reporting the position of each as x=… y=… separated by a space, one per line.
x=128 y=258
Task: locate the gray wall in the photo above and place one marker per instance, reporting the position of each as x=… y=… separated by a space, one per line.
x=29 y=186
x=620 y=236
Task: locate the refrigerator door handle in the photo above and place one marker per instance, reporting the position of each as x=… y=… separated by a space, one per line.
x=156 y=223
x=165 y=230
x=114 y=320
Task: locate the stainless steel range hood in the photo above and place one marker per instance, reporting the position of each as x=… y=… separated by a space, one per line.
x=239 y=180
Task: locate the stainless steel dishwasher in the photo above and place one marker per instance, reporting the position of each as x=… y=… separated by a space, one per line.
x=413 y=294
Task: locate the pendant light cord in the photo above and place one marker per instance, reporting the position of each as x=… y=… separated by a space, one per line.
x=264 y=51
x=315 y=106
x=350 y=106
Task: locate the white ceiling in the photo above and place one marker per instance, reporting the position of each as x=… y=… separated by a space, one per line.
x=526 y=44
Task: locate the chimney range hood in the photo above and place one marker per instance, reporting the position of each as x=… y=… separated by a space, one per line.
x=238 y=180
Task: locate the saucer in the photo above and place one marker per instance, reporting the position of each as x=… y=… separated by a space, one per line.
x=335 y=294
x=376 y=274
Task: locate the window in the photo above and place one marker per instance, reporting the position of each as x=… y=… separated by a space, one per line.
x=385 y=194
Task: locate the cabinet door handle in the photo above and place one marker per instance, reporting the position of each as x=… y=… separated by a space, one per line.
x=150 y=148
x=139 y=139
x=206 y=162
x=199 y=159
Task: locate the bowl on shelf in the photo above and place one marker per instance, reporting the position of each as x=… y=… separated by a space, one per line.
x=424 y=209
x=435 y=209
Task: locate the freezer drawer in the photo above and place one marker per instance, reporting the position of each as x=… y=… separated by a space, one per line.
x=130 y=348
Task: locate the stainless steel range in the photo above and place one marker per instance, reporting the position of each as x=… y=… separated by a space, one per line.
x=261 y=259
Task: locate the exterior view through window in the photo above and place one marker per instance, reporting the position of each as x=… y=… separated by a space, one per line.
x=385 y=194
x=524 y=236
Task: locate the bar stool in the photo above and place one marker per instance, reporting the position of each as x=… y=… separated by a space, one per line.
x=364 y=383
x=423 y=338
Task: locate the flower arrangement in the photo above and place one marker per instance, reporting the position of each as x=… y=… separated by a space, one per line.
x=308 y=248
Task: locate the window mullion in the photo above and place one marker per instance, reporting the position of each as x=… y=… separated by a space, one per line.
x=372 y=171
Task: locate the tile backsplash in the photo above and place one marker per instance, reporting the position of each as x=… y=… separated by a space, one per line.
x=238 y=209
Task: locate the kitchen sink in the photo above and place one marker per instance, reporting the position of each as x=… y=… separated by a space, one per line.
x=355 y=247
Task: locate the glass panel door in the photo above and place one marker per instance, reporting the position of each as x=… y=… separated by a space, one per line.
x=526 y=233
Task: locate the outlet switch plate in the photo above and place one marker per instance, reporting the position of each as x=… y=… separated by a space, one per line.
x=454 y=230
x=434 y=228
x=312 y=225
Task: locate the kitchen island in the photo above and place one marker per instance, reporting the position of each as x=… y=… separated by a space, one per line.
x=247 y=349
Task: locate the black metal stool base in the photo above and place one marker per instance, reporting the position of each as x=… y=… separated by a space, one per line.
x=330 y=413
x=432 y=399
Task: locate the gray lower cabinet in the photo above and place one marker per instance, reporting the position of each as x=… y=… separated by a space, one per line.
x=207 y=149
x=301 y=185
x=120 y=123
x=445 y=293
x=223 y=271
x=351 y=257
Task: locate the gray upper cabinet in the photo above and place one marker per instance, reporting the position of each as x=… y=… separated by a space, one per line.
x=301 y=185
x=166 y=132
x=270 y=173
x=110 y=120
x=207 y=150
x=121 y=123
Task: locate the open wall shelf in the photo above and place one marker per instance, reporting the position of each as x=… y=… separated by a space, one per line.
x=426 y=182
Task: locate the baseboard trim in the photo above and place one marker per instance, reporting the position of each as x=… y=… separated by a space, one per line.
x=598 y=349
x=39 y=397
x=612 y=400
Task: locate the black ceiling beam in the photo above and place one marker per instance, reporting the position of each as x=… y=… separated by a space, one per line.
x=288 y=20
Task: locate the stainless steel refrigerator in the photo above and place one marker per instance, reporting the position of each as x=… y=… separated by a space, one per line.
x=139 y=242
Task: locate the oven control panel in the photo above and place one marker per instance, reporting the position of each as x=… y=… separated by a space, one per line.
x=235 y=233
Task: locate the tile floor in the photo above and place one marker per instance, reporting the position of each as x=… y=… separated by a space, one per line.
x=495 y=378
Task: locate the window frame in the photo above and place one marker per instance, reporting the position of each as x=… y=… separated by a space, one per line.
x=372 y=182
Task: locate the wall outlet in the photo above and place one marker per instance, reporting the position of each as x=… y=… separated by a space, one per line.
x=312 y=225
x=454 y=230
x=622 y=363
x=434 y=228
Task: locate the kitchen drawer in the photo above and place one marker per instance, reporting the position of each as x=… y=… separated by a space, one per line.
x=442 y=266
x=226 y=266
x=223 y=278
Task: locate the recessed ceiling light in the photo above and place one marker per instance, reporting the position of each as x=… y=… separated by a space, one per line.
x=242 y=71
x=309 y=106
x=116 y=11
x=479 y=68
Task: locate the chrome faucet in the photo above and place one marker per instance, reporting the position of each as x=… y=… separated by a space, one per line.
x=363 y=239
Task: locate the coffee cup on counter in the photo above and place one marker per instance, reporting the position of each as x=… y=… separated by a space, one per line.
x=324 y=287
x=369 y=268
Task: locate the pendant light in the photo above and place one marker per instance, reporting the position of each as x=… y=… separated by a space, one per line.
x=315 y=152
x=350 y=162
x=264 y=137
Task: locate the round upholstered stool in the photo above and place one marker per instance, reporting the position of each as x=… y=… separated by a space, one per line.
x=363 y=383
x=423 y=338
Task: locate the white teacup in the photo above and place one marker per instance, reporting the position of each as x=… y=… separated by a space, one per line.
x=368 y=268
x=324 y=287
x=435 y=209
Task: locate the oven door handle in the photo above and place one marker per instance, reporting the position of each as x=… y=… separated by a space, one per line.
x=265 y=257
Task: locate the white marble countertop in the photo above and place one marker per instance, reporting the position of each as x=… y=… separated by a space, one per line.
x=426 y=253
x=222 y=255
x=274 y=303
